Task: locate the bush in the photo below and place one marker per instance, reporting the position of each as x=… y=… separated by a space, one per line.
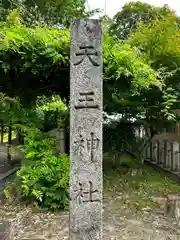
x=43 y=179
x=46 y=183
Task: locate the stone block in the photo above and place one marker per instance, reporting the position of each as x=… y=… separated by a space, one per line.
x=172 y=206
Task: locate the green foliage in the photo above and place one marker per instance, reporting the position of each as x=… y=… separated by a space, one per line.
x=129 y=77
x=6 y=105
x=126 y=21
x=106 y=22
x=117 y=135
x=123 y=60
x=121 y=137
x=43 y=178
x=160 y=45
x=52 y=103
x=143 y=73
x=35 y=61
x=52 y=111
x=19 y=43
x=41 y=12
x=13 y=113
x=31 y=58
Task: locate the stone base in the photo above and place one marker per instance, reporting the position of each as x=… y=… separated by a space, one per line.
x=172 y=206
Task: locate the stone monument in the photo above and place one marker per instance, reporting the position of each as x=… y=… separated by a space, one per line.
x=86 y=130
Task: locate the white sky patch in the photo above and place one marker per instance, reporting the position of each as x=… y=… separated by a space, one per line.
x=113 y=6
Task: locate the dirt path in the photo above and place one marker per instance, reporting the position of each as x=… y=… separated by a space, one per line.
x=120 y=223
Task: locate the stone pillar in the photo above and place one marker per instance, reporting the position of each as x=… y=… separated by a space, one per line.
x=151 y=151
x=61 y=140
x=176 y=155
x=165 y=154
x=154 y=152
x=178 y=163
x=158 y=152
x=168 y=162
x=86 y=130
x=172 y=157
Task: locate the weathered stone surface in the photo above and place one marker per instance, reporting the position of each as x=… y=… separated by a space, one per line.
x=86 y=131
x=172 y=206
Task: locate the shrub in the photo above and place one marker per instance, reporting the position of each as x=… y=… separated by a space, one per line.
x=46 y=183
x=44 y=176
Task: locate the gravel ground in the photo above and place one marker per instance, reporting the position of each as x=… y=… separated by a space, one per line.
x=120 y=223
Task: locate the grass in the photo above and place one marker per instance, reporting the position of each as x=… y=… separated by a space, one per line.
x=137 y=190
